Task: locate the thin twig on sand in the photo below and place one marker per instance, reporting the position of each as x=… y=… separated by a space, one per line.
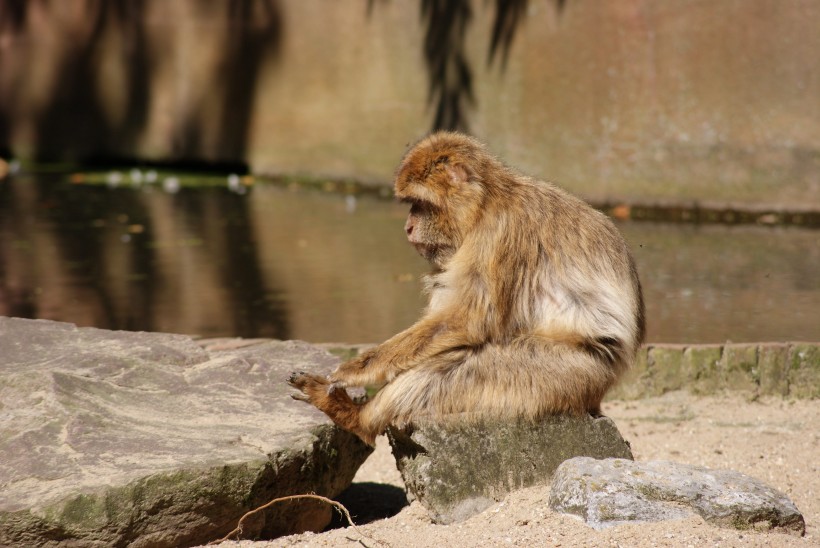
x=339 y=507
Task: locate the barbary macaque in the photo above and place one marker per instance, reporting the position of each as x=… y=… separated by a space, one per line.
x=535 y=304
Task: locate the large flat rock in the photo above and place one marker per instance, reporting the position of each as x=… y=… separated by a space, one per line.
x=457 y=468
x=113 y=438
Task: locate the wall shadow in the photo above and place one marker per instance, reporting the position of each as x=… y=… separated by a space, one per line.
x=449 y=74
x=245 y=36
x=72 y=123
x=12 y=19
x=253 y=39
x=450 y=78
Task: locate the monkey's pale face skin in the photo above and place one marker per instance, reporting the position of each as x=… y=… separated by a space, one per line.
x=535 y=305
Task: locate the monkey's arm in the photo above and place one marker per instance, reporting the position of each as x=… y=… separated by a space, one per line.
x=428 y=337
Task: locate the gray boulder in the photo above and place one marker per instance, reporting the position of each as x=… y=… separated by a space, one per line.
x=114 y=438
x=458 y=468
x=615 y=491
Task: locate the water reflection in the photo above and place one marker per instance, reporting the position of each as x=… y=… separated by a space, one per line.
x=135 y=259
x=322 y=267
x=714 y=283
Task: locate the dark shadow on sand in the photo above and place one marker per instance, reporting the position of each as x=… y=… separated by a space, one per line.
x=368 y=502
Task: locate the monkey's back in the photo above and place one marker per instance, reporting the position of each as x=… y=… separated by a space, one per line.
x=565 y=267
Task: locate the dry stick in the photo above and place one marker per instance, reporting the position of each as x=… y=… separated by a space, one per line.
x=339 y=506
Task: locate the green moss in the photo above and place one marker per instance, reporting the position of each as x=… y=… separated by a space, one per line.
x=772 y=363
x=665 y=365
x=86 y=511
x=701 y=368
x=634 y=383
x=804 y=370
x=739 y=367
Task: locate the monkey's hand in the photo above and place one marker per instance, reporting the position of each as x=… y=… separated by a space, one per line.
x=333 y=400
x=310 y=387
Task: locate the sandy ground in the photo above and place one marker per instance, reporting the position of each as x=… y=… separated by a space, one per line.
x=774 y=440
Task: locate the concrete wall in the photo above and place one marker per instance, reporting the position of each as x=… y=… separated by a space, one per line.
x=630 y=99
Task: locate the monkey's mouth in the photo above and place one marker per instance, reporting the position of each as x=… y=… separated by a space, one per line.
x=427 y=251
x=435 y=254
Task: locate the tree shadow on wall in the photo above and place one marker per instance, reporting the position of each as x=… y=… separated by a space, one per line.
x=450 y=77
x=74 y=124
x=12 y=17
x=254 y=37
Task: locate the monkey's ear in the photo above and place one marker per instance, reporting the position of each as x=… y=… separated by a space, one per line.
x=457 y=174
x=455 y=171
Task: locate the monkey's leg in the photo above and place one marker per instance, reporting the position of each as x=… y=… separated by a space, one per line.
x=528 y=378
x=332 y=400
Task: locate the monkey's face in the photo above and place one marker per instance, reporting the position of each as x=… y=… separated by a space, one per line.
x=425 y=232
x=435 y=179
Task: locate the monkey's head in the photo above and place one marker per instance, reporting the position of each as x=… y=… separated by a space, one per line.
x=440 y=177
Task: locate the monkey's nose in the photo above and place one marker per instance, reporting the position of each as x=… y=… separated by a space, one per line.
x=408 y=228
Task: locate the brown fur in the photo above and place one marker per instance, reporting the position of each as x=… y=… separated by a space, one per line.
x=535 y=304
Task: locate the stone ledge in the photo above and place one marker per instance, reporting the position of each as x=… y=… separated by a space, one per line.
x=772 y=369
x=790 y=369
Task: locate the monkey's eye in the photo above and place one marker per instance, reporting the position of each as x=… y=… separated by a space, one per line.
x=421 y=208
